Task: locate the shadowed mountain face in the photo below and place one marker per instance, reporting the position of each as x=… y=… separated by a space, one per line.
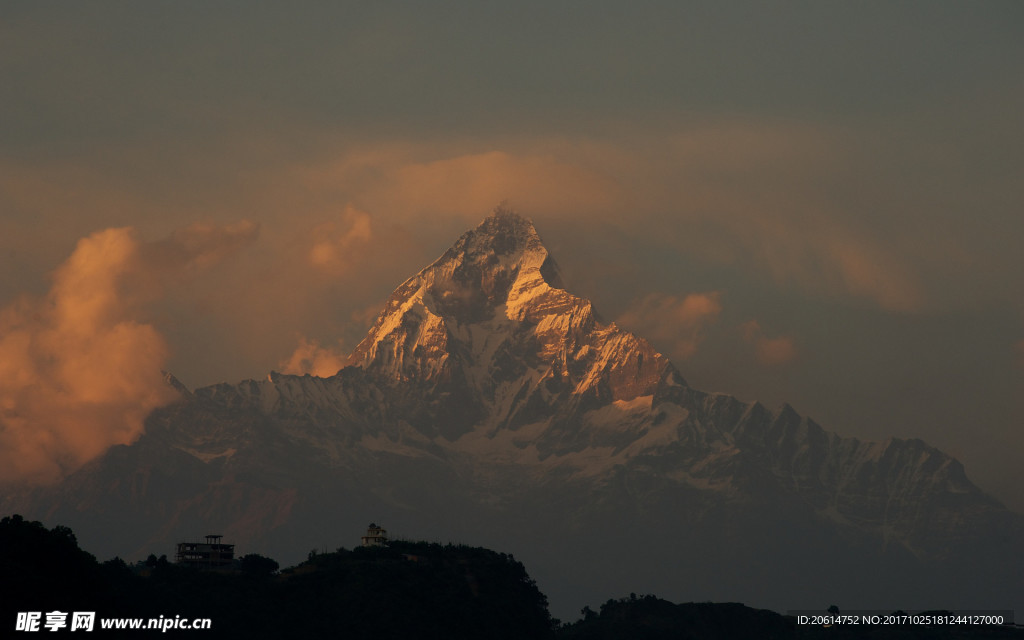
x=489 y=405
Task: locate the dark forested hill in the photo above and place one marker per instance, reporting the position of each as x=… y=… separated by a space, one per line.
x=404 y=590
x=407 y=590
x=651 y=618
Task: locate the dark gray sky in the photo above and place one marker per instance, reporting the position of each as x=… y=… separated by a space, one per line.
x=812 y=202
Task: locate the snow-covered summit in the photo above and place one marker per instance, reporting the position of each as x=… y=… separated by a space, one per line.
x=491 y=271
x=490 y=324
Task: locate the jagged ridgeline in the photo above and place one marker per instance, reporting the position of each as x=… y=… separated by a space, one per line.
x=489 y=403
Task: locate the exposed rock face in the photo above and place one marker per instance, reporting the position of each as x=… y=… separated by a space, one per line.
x=488 y=330
x=490 y=405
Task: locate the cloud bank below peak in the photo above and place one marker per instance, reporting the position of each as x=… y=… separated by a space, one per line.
x=81 y=368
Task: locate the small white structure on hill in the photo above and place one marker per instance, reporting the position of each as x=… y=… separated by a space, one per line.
x=375 y=536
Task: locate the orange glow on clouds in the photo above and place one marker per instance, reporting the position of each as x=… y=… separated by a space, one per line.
x=337 y=243
x=735 y=192
x=309 y=357
x=403 y=182
x=78 y=372
x=769 y=351
x=678 y=323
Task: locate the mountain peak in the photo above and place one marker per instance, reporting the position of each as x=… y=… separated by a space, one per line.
x=504 y=232
x=490 y=318
x=490 y=275
x=504 y=220
x=502 y=245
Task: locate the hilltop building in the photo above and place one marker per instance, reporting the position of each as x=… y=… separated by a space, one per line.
x=375 y=536
x=212 y=554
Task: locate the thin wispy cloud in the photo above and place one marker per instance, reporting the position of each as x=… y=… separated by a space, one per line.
x=675 y=324
x=769 y=351
x=337 y=244
x=311 y=358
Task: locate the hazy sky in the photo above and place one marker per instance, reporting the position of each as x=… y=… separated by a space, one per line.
x=813 y=202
